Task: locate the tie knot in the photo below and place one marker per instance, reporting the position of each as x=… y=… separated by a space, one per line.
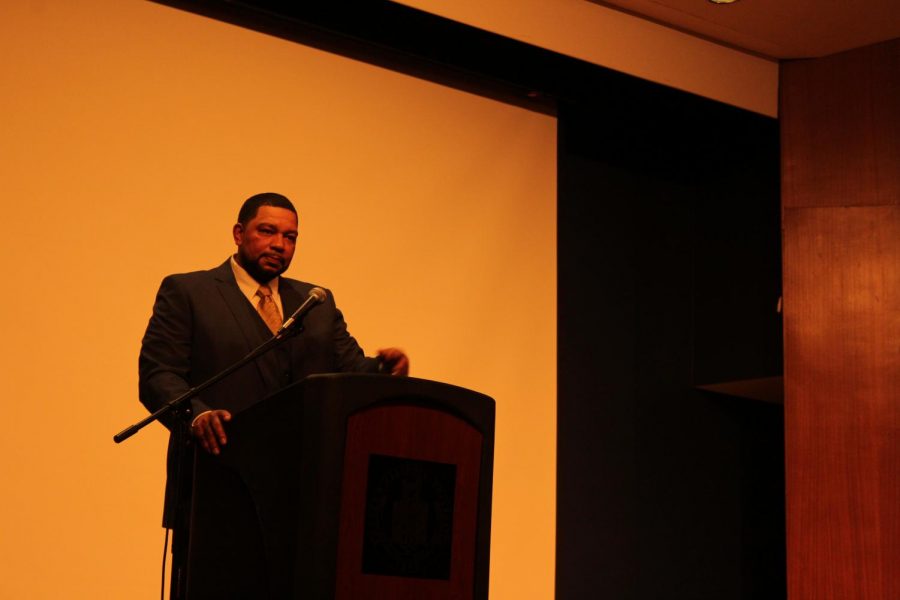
x=264 y=290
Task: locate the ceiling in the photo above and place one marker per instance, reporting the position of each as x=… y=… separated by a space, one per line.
x=778 y=29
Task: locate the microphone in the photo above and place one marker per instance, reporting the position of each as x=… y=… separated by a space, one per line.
x=316 y=296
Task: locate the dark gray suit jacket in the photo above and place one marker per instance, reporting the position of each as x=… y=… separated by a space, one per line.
x=202 y=323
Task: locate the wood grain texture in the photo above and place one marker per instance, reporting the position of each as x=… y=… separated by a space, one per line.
x=842 y=408
x=421 y=434
x=840 y=128
x=841 y=199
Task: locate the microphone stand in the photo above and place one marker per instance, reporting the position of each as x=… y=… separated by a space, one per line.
x=176 y=404
x=180 y=430
x=181 y=433
x=290 y=326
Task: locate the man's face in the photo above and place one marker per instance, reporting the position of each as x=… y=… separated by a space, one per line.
x=265 y=246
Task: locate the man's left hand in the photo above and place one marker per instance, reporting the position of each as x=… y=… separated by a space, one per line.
x=395 y=361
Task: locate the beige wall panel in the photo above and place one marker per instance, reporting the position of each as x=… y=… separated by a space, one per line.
x=626 y=43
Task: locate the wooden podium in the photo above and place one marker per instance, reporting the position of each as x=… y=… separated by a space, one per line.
x=348 y=487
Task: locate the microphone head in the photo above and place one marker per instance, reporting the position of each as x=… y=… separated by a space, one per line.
x=317 y=294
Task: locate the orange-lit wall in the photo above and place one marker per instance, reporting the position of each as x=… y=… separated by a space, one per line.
x=131 y=133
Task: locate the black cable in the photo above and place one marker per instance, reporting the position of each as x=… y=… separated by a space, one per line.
x=162 y=589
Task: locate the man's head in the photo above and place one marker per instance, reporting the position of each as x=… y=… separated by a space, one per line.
x=265 y=234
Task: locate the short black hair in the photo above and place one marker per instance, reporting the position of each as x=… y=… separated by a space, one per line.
x=251 y=205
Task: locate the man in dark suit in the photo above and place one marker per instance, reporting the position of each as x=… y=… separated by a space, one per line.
x=205 y=321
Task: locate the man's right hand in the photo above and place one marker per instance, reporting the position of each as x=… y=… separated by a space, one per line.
x=209 y=430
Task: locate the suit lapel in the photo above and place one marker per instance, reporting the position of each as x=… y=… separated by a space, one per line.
x=240 y=309
x=249 y=323
x=291 y=299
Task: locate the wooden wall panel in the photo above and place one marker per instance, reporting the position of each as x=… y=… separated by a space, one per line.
x=842 y=415
x=840 y=128
x=841 y=195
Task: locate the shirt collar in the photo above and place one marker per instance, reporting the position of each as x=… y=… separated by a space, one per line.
x=246 y=283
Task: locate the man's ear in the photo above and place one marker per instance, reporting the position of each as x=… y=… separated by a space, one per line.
x=238 y=233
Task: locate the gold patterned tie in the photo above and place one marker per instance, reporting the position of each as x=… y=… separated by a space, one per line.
x=267 y=308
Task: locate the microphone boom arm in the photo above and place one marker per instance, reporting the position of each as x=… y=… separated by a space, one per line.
x=316 y=296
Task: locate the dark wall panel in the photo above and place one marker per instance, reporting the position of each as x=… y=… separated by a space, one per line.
x=597 y=453
x=668 y=267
